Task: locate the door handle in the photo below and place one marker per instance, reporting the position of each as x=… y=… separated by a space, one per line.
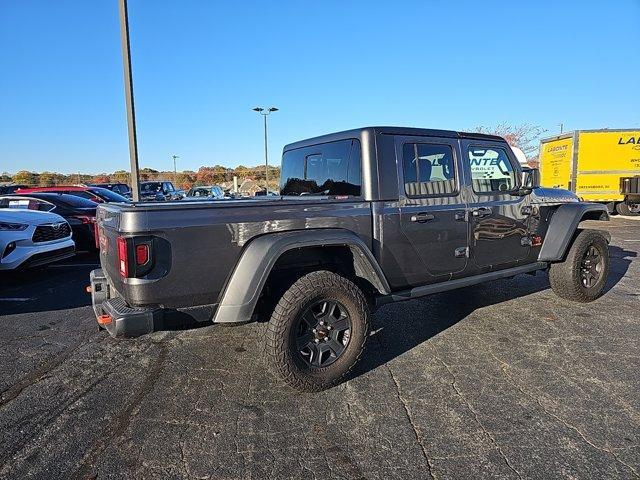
x=481 y=211
x=422 y=217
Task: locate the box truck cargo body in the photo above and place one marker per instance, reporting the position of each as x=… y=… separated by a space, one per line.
x=597 y=165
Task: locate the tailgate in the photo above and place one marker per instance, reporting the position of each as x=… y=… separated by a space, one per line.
x=108 y=224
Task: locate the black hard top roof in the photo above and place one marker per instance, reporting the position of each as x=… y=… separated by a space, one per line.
x=409 y=131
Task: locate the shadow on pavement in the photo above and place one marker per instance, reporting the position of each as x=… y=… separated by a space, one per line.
x=620 y=262
x=395 y=334
x=59 y=286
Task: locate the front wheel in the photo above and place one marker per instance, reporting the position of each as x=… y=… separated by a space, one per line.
x=581 y=277
x=317 y=331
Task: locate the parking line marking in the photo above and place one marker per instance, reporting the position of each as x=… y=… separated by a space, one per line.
x=17 y=299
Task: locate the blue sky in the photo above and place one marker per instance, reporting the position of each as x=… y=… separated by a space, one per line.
x=200 y=66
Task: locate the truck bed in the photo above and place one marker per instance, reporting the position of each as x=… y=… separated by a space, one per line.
x=199 y=243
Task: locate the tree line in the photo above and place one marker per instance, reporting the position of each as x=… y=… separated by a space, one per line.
x=183 y=179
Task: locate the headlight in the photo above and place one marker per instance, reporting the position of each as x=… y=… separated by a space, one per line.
x=13 y=227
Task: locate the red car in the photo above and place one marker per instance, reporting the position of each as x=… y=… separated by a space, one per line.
x=96 y=194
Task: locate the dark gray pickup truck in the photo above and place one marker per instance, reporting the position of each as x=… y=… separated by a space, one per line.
x=365 y=217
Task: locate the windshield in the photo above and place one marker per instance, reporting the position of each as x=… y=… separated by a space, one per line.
x=200 y=192
x=150 y=187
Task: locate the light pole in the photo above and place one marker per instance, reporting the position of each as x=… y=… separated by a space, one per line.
x=265 y=113
x=128 y=95
x=175 y=170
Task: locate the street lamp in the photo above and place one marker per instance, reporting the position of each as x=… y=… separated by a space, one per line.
x=265 y=113
x=175 y=170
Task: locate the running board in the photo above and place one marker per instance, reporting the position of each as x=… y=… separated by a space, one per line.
x=424 y=290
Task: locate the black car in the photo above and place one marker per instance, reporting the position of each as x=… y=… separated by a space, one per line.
x=119 y=188
x=159 y=191
x=10 y=188
x=78 y=211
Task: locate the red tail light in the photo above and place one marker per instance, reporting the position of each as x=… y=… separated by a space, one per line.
x=123 y=257
x=142 y=254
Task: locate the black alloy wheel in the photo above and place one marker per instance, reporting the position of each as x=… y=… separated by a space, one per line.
x=323 y=333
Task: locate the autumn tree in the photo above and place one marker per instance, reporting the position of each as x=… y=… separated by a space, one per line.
x=47 y=179
x=120 y=176
x=525 y=136
x=25 y=177
x=148 y=174
x=102 y=178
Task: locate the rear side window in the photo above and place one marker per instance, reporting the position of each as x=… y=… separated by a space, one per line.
x=429 y=170
x=332 y=168
x=491 y=170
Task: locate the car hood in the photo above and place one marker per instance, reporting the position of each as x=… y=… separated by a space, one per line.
x=553 y=195
x=31 y=217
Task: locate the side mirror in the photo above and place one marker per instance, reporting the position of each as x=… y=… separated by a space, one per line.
x=530 y=180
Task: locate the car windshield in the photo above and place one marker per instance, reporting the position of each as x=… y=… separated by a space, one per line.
x=200 y=192
x=108 y=195
x=150 y=187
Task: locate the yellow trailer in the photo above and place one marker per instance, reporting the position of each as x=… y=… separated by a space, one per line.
x=594 y=164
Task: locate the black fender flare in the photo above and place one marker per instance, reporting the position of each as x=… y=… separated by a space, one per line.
x=260 y=254
x=563 y=225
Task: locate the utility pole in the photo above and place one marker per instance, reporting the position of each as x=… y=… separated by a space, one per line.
x=128 y=94
x=265 y=113
x=561 y=128
x=175 y=170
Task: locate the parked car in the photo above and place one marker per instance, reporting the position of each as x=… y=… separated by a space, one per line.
x=211 y=192
x=95 y=194
x=367 y=217
x=10 y=188
x=265 y=193
x=159 y=192
x=79 y=212
x=119 y=188
x=31 y=238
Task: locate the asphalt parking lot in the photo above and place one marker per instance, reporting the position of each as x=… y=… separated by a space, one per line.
x=502 y=380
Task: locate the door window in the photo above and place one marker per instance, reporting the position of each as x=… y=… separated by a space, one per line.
x=491 y=170
x=428 y=169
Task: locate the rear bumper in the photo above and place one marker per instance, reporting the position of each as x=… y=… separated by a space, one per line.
x=114 y=315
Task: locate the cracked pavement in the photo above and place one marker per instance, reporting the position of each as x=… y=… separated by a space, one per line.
x=502 y=380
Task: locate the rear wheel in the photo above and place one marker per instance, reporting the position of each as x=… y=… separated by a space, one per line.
x=582 y=275
x=628 y=209
x=317 y=331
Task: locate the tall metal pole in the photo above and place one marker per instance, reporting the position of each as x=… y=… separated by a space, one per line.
x=128 y=93
x=265 y=112
x=175 y=170
x=266 y=155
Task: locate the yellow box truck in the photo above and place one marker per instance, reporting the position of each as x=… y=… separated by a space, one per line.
x=597 y=165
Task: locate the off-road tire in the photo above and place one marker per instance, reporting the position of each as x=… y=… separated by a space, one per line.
x=565 y=277
x=281 y=353
x=623 y=209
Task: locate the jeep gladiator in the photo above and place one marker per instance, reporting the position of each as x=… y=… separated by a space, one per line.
x=364 y=217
